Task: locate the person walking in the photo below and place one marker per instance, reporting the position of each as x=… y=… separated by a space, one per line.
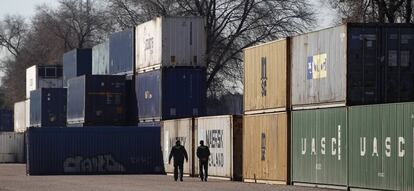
x=179 y=153
x=203 y=153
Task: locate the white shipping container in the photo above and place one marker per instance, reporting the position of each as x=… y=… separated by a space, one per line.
x=34 y=81
x=223 y=135
x=100 y=59
x=20 y=117
x=170 y=41
x=12 y=147
x=27 y=110
x=171 y=131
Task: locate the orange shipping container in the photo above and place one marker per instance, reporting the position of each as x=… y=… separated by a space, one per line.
x=265 y=148
x=266 y=78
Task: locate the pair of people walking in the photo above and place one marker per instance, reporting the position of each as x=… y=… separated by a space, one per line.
x=179 y=153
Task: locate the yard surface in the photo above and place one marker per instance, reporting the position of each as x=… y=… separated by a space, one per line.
x=13 y=177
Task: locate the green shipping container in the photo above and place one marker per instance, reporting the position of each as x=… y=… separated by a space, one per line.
x=319 y=146
x=381 y=146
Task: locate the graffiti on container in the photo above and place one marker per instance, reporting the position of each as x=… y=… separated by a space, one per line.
x=214 y=140
x=373 y=146
x=100 y=163
x=334 y=142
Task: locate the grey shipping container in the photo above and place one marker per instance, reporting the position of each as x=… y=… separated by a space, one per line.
x=6 y=120
x=94 y=150
x=100 y=59
x=96 y=100
x=12 y=147
x=77 y=62
x=48 y=107
x=122 y=52
x=171 y=93
x=353 y=64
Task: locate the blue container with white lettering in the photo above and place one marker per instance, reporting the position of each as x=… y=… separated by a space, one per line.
x=94 y=150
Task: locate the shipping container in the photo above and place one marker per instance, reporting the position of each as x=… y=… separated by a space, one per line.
x=27 y=102
x=100 y=59
x=178 y=130
x=224 y=137
x=96 y=100
x=171 y=93
x=12 y=147
x=319 y=147
x=48 y=107
x=381 y=146
x=266 y=77
x=94 y=150
x=47 y=76
x=353 y=64
x=170 y=41
x=20 y=117
x=122 y=52
x=131 y=103
x=76 y=62
x=265 y=148
x=6 y=120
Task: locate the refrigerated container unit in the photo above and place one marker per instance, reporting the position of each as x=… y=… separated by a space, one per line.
x=6 y=120
x=353 y=64
x=122 y=53
x=48 y=107
x=100 y=59
x=20 y=117
x=224 y=137
x=171 y=93
x=267 y=77
x=170 y=42
x=94 y=151
x=76 y=62
x=43 y=76
x=12 y=147
x=96 y=100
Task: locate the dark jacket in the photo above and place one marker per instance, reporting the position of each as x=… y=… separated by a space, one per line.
x=203 y=152
x=179 y=153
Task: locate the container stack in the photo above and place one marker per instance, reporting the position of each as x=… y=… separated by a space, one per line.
x=170 y=67
x=48 y=107
x=76 y=63
x=342 y=129
x=266 y=109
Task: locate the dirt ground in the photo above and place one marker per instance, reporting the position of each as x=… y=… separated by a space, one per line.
x=13 y=177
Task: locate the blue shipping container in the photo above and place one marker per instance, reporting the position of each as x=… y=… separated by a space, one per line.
x=77 y=62
x=95 y=150
x=171 y=93
x=6 y=120
x=96 y=100
x=122 y=52
x=48 y=107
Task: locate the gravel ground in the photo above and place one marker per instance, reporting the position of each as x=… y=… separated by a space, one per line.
x=12 y=177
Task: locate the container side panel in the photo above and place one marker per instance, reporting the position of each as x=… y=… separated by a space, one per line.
x=12 y=147
x=100 y=59
x=148 y=89
x=122 y=52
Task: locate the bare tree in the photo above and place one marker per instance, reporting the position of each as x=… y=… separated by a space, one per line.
x=12 y=33
x=231 y=25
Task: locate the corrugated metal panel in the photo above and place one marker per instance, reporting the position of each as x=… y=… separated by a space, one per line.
x=265 y=147
x=12 y=147
x=20 y=117
x=100 y=58
x=27 y=102
x=96 y=100
x=48 y=107
x=381 y=141
x=77 y=62
x=171 y=41
x=6 y=120
x=319 y=146
x=171 y=93
x=122 y=52
x=319 y=67
x=38 y=77
x=265 y=76
x=108 y=150
x=224 y=137
x=131 y=102
x=177 y=130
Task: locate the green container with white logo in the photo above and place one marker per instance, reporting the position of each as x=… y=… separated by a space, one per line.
x=381 y=146
x=319 y=147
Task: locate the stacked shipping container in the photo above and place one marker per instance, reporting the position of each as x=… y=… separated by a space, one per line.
x=77 y=62
x=48 y=107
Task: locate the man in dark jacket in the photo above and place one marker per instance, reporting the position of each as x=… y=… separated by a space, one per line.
x=179 y=153
x=203 y=153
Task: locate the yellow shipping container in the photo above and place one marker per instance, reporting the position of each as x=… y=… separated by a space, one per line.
x=266 y=79
x=265 y=148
